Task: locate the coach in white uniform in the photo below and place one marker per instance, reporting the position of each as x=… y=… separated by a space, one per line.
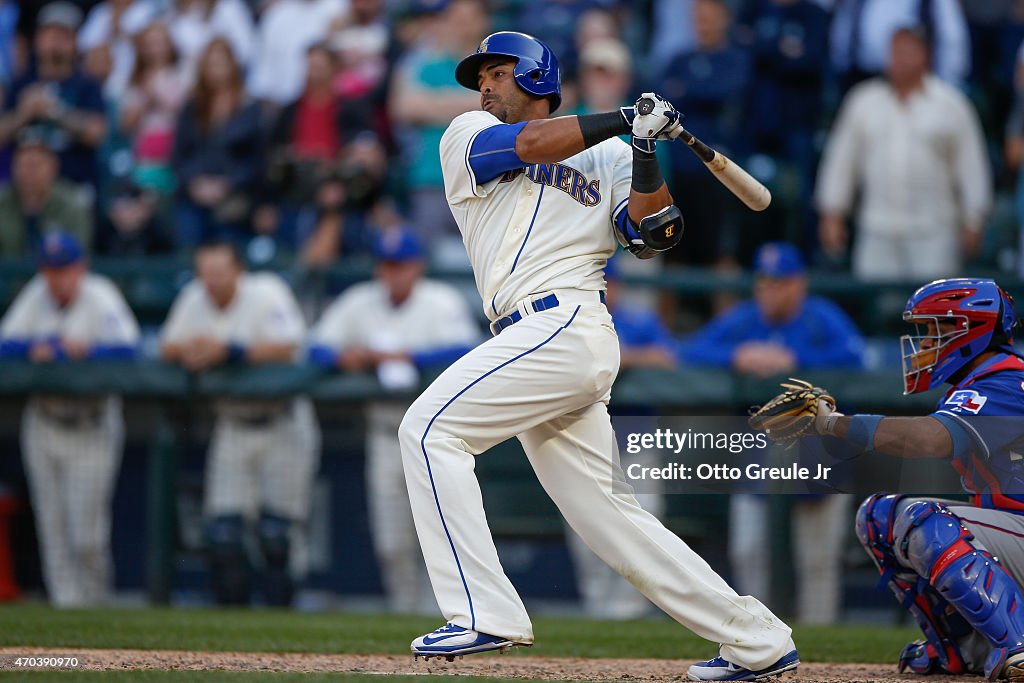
x=71 y=445
x=540 y=203
x=264 y=452
x=395 y=325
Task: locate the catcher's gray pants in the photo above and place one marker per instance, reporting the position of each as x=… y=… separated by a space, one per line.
x=71 y=471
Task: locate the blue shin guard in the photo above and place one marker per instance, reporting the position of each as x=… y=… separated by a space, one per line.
x=937 y=546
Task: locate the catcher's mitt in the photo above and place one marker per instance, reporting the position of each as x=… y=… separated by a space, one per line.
x=791 y=414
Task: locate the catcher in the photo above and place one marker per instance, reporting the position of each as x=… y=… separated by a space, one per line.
x=940 y=557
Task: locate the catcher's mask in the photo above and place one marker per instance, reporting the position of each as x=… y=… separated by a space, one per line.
x=956 y=320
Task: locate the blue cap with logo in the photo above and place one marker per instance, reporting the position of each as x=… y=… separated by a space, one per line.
x=778 y=259
x=399 y=245
x=58 y=249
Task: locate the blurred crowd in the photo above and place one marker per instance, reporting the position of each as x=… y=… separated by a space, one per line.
x=298 y=128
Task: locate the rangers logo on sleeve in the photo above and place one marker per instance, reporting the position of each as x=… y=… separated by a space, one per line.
x=966 y=400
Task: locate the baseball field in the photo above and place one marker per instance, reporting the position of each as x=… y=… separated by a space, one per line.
x=278 y=646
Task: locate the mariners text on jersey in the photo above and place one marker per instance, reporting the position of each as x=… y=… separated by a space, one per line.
x=561 y=177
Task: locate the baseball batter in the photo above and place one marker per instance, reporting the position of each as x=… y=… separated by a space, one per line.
x=71 y=445
x=395 y=324
x=540 y=203
x=264 y=452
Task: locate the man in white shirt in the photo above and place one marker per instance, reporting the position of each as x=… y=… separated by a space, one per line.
x=71 y=445
x=396 y=325
x=912 y=145
x=264 y=453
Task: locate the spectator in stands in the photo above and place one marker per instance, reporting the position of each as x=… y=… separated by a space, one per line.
x=149 y=110
x=114 y=23
x=396 y=326
x=605 y=76
x=781 y=331
x=306 y=147
x=349 y=206
x=424 y=99
x=264 y=453
x=644 y=342
x=789 y=43
x=38 y=200
x=595 y=25
x=555 y=22
x=286 y=30
x=862 y=30
x=672 y=30
x=71 y=445
x=57 y=98
x=218 y=152
x=194 y=23
x=913 y=147
x=136 y=227
x=708 y=84
x=366 y=46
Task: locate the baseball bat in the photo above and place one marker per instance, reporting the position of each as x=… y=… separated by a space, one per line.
x=728 y=172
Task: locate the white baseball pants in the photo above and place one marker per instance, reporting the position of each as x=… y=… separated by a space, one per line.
x=546 y=380
x=394 y=535
x=71 y=473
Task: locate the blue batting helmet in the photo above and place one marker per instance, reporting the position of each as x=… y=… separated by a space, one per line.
x=963 y=318
x=536 y=69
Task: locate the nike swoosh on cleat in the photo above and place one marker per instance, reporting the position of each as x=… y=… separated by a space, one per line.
x=427 y=640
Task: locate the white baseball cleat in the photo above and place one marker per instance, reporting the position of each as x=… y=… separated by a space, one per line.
x=451 y=641
x=720 y=669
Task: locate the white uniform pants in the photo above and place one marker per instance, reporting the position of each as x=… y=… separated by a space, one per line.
x=71 y=473
x=267 y=467
x=394 y=536
x=918 y=257
x=820 y=527
x=605 y=594
x=547 y=379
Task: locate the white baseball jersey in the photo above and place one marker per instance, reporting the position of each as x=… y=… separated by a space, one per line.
x=546 y=227
x=434 y=316
x=264 y=310
x=98 y=314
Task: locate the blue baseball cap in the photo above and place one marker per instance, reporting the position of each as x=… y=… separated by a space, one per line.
x=58 y=249
x=398 y=245
x=779 y=260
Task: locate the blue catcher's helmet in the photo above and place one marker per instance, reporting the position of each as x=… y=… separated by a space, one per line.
x=962 y=317
x=536 y=69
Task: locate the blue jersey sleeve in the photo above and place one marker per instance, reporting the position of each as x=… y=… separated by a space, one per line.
x=991 y=411
x=493 y=151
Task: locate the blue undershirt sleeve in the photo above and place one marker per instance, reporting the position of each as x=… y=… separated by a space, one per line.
x=493 y=151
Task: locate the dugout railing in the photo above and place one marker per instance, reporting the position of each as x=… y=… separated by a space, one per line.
x=164 y=408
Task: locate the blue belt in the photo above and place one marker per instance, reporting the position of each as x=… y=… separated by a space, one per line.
x=538 y=305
